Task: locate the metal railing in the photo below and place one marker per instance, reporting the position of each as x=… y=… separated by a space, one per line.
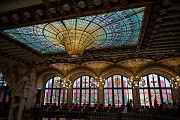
x=40 y=114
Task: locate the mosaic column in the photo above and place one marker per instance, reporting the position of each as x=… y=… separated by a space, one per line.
x=11 y=111
x=21 y=108
x=136 y=97
x=100 y=89
x=176 y=94
x=70 y=91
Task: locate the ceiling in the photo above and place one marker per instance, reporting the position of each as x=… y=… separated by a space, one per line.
x=159 y=35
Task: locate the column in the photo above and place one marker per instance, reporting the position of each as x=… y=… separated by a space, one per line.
x=136 y=97
x=101 y=95
x=11 y=111
x=21 y=108
x=176 y=94
x=100 y=88
x=70 y=91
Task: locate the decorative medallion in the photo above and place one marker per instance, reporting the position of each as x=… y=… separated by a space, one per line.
x=135 y=64
x=64 y=66
x=97 y=65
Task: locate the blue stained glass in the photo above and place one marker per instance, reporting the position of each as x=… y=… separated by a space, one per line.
x=120 y=28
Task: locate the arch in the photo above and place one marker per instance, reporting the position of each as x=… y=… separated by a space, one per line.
x=47 y=74
x=168 y=73
x=113 y=71
x=80 y=72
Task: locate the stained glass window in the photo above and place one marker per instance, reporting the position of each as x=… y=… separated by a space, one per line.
x=154 y=87
x=84 y=91
x=5 y=90
x=119 y=28
x=117 y=90
x=54 y=92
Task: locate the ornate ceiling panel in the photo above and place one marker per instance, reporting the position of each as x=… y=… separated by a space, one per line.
x=97 y=65
x=135 y=64
x=114 y=29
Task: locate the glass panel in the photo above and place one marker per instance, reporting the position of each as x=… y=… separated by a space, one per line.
x=55 y=96
x=126 y=82
x=49 y=84
x=108 y=83
x=155 y=95
x=93 y=97
x=162 y=82
x=85 y=96
x=153 y=80
x=119 y=28
x=92 y=83
x=118 y=100
x=76 y=96
x=57 y=83
x=167 y=83
x=77 y=83
x=143 y=82
x=128 y=95
x=167 y=95
x=47 y=96
x=144 y=97
x=108 y=96
x=117 y=81
x=85 y=82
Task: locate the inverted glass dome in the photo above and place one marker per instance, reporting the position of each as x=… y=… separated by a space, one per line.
x=120 y=28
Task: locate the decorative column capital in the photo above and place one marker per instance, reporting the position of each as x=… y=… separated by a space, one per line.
x=134 y=81
x=100 y=82
x=174 y=82
x=66 y=83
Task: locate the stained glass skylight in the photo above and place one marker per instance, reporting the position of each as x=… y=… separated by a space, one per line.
x=120 y=28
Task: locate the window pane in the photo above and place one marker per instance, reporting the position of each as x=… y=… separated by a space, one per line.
x=155 y=95
x=85 y=82
x=144 y=97
x=108 y=96
x=127 y=95
x=49 y=83
x=162 y=82
x=118 y=100
x=57 y=83
x=47 y=96
x=77 y=83
x=153 y=80
x=117 y=81
x=76 y=96
x=85 y=96
x=126 y=82
x=108 y=83
x=55 y=96
x=93 y=96
x=167 y=83
x=167 y=95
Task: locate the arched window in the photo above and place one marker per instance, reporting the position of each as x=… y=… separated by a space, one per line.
x=54 y=92
x=117 y=90
x=84 y=91
x=153 y=87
